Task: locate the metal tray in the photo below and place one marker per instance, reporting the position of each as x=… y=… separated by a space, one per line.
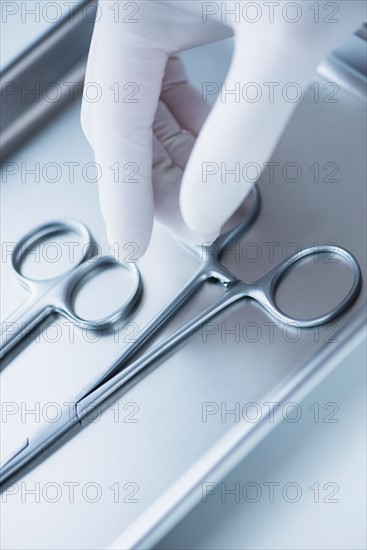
x=139 y=468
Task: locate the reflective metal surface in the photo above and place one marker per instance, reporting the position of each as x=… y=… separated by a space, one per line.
x=262 y=291
x=151 y=445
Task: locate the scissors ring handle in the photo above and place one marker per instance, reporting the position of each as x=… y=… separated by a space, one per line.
x=48 y=229
x=268 y=285
x=70 y=288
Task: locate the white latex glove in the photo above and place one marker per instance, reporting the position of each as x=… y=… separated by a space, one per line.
x=137 y=42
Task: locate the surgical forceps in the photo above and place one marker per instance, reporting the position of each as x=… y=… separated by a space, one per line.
x=262 y=291
x=57 y=294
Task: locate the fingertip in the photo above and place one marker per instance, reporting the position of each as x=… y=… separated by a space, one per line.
x=127 y=244
x=198 y=220
x=206 y=207
x=199 y=239
x=198 y=208
x=126 y=203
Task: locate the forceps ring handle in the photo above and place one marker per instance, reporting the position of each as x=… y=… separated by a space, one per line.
x=37 y=234
x=33 y=310
x=264 y=290
x=69 y=289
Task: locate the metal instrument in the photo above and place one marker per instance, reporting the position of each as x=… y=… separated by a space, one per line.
x=262 y=291
x=56 y=295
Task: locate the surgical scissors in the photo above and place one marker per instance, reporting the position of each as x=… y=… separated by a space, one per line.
x=262 y=291
x=57 y=294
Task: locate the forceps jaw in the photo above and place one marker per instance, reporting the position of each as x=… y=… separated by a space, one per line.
x=34 y=448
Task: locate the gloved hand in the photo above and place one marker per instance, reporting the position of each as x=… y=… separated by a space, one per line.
x=151 y=131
